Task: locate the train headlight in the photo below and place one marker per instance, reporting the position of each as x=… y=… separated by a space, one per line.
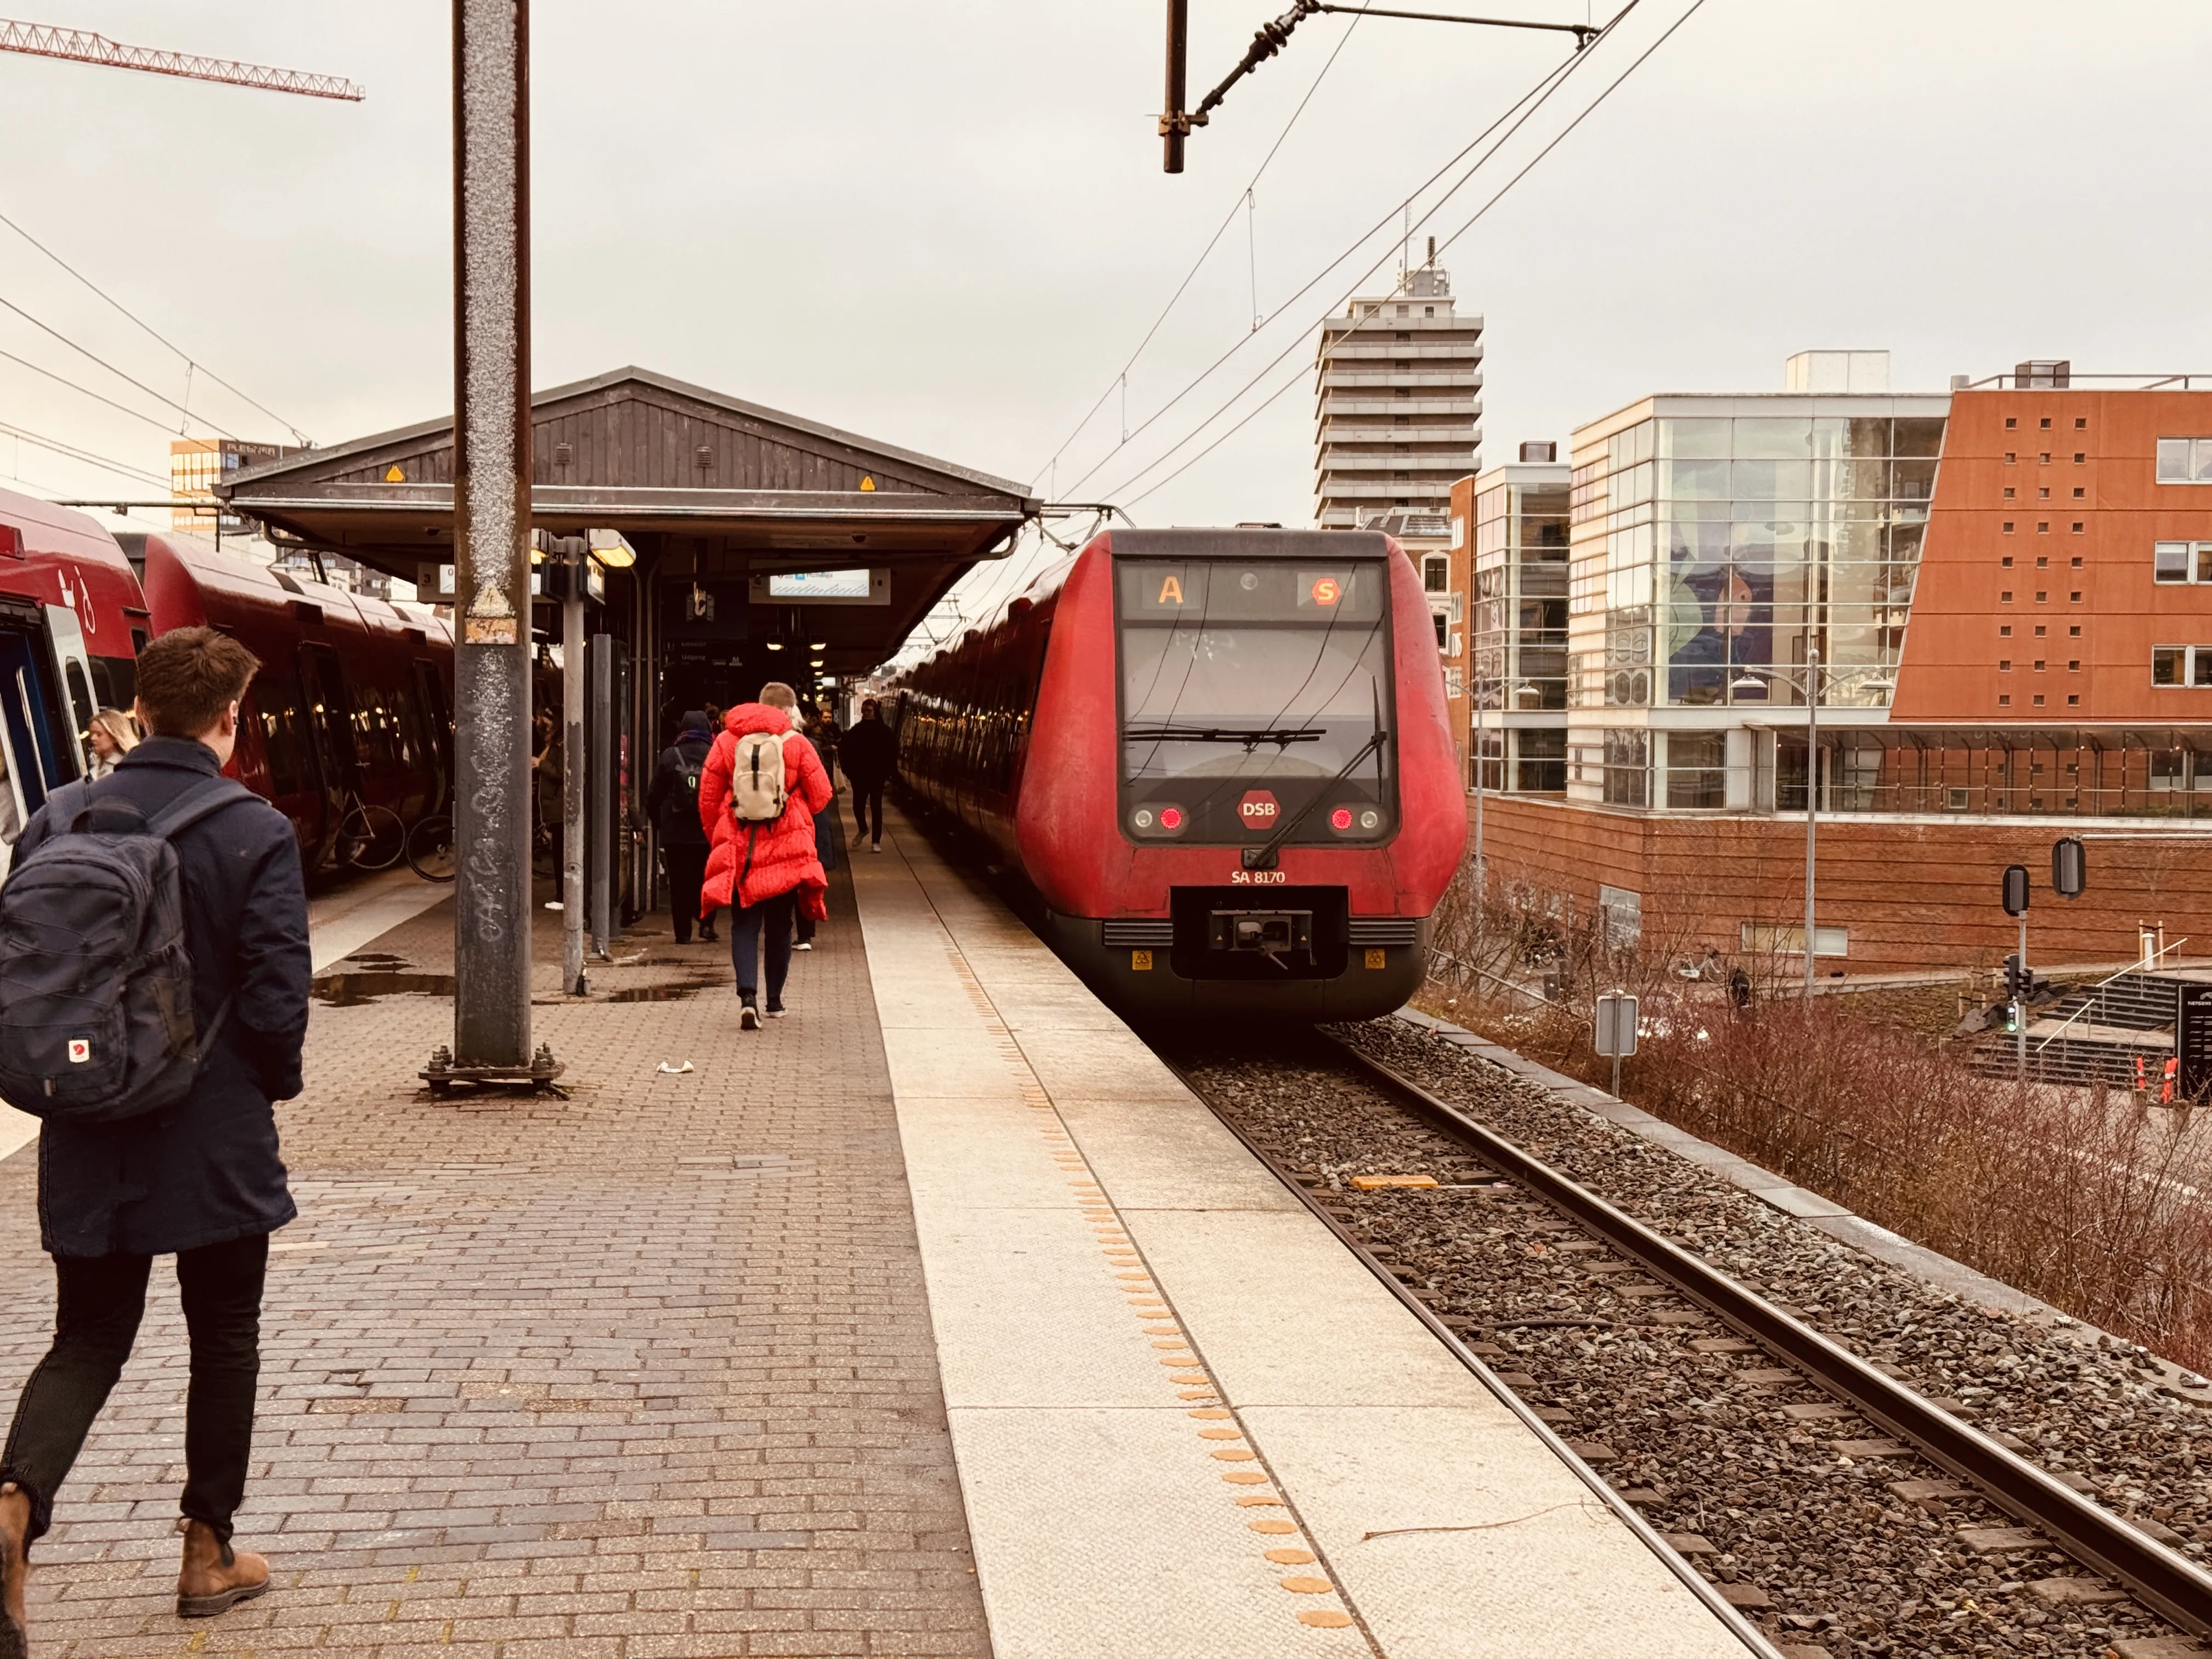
x=1157 y=819
x=1371 y=819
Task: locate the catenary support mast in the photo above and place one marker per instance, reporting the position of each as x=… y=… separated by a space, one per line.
x=491 y=530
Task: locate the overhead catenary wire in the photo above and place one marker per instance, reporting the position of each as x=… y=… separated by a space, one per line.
x=1521 y=108
x=1197 y=265
x=1466 y=225
x=183 y=410
x=85 y=390
x=121 y=469
x=192 y=364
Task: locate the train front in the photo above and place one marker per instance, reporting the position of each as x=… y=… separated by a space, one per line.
x=1245 y=799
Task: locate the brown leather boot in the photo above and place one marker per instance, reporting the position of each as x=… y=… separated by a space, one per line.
x=15 y=1568
x=216 y=1578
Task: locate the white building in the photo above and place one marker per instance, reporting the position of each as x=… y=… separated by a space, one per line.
x=1397 y=404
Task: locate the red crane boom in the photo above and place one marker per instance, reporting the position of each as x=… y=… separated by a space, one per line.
x=83 y=47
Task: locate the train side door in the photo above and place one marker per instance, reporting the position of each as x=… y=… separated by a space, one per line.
x=437 y=716
x=67 y=634
x=35 y=739
x=328 y=712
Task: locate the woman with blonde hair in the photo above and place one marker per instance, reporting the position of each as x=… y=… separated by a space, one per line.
x=113 y=734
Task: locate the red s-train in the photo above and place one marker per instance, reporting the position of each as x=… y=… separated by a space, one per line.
x=352 y=706
x=1221 y=758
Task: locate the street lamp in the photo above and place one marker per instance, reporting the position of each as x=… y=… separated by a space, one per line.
x=1755 y=679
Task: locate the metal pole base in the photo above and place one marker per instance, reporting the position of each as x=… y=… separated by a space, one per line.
x=539 y=1077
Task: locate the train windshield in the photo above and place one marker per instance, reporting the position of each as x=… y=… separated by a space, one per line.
x=1270 y=676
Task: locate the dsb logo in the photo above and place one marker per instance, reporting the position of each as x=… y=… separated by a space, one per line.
x=1259 y=809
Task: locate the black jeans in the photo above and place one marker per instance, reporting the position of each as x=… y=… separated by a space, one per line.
x=100 y=1300
x=868 y=798
x=746 y=921
x=687 y=869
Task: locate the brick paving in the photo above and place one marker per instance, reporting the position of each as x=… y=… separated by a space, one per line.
x=646 y=1372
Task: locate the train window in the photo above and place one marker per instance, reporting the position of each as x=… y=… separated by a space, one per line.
x=115 y=680
x=1236 y=674
x=81 y=704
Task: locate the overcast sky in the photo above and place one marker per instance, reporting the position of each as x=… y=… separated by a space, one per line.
x=945 y=225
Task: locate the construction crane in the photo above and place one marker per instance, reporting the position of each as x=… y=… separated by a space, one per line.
x=83 y=47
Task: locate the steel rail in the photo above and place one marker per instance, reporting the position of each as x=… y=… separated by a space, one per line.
x=2163 y=1581
x=1707 y=1593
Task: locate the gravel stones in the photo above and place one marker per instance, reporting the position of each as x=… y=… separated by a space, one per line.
x=1804 y=1521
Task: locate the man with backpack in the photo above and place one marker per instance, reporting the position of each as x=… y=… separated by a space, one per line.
x=760 y=788
x=154 y=978
x=674 y=798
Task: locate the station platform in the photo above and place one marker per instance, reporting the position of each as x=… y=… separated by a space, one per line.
x=938 y=1318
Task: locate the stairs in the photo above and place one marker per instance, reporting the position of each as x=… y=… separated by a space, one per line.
x=2092 y=1036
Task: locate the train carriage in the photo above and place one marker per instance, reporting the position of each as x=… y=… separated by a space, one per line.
x=1222 y=758
x=352 y=707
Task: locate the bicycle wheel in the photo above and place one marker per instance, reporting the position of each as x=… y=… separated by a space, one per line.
x=371 y=837
x=430 y=849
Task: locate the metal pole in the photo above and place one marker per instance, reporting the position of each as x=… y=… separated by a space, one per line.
x=601 y=751
x=1174 y=128
x=1481 y=769
x=2020 y=1006
x=572 y=776
x=1812 y=798
x=491 y=525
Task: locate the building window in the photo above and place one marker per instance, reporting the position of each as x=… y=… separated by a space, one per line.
x=2004 y=665
x=1790 y=941
x=2008 y=495
x=1443 y=624
x=2038 y=700
x=2079 y=493
x=2005 y=598
x=2181 y=665
x=2074 y=700
x=2074 y=666
x=2005 y=632
x=1621 y=913
x=1540 y=760
x=2011 y=421
x=1627 y=769
x=2185 y=460
x=2043 y=527
x=2181 y=562
x=2010 y=459
x=2041 y=595
x=2008 y=527
x=1697 y=769
x=2081 y=457
x=2044 y=423
x=2004 y=700
x=2044 y=459
x=1436 y=575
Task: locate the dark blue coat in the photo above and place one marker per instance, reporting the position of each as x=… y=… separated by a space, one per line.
x=208 y=1170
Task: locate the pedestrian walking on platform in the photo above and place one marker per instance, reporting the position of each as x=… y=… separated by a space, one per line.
x=870 y=751
x=758 y=797
x=198 y=1176
x=673 y=799
x=822 y=733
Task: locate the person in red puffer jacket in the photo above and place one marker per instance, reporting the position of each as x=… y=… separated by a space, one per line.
x=766 y=873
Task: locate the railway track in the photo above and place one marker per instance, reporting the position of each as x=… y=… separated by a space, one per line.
x=2160 y=1579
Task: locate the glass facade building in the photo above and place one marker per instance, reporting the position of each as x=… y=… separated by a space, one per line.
x=1517 y=647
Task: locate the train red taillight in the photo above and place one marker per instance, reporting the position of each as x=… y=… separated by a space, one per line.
x=1340 y=818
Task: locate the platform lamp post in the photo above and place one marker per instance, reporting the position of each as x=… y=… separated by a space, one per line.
x=491 y=556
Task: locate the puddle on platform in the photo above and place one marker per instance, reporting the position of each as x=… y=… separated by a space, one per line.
x=359 y=990
x=677 y=992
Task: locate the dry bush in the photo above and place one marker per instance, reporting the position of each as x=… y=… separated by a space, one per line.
x=2082 y=1198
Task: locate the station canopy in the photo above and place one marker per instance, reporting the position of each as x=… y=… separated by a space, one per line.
x=724 y=502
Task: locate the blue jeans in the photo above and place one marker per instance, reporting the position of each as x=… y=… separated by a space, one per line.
x=746 y=921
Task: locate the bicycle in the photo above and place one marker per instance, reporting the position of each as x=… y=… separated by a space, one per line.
x=370 y=837
x=430 y=850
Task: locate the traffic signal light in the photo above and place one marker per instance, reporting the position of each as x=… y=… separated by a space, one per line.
x=2016 y=889
x=2069 y=867
x=2018 y=980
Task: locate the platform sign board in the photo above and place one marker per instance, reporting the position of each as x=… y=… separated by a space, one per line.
x=1616 y=1030
x=1616 y=1024
x=2192 y=1039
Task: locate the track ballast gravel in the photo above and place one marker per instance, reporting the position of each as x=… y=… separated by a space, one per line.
x=1734 y=1458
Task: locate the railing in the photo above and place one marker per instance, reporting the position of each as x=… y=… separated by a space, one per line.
x=2096 y=996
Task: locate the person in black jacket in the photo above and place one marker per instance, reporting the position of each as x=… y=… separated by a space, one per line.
x=673 y=799
x=870 y=753
x=202 y=1180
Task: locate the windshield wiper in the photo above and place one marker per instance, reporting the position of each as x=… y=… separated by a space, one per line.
x=1263 y=856
x=1250 y=736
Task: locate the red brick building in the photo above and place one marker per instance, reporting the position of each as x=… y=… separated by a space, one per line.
x=2001 y=600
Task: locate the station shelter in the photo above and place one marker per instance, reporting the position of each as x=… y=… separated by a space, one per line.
x=734 y=545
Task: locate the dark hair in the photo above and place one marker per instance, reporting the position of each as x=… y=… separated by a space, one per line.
x=189 y=676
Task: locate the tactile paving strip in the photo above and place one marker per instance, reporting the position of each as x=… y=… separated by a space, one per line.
x=1223 y=1437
